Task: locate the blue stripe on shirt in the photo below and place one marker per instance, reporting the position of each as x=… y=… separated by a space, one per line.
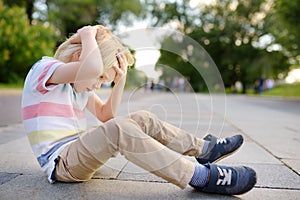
x=44 y=158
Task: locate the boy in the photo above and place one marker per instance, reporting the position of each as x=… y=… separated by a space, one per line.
x=58 y=90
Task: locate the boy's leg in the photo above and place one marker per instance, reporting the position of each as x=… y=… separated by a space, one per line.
x=211 y=149
x=82 y=158
x=167 y=134
x=77 y=162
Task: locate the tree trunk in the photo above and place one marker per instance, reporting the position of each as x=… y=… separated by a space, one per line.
x=29 y=9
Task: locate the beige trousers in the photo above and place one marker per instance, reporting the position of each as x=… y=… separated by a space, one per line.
x=142 y=138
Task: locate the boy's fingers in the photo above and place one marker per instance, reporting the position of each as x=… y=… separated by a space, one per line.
x=75 y=39
x=122 y=61
x=117 y=69
x=118 y=59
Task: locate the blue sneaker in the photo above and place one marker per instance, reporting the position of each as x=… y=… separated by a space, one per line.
x=220 y=148
x=229 y=180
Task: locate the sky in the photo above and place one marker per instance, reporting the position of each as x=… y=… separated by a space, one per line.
x=146 y=47
x=146 y=60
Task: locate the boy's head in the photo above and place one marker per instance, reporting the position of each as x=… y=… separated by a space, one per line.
x=108 y=44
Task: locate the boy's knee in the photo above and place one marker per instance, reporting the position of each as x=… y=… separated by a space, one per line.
x=148 y=121
x=142 y=115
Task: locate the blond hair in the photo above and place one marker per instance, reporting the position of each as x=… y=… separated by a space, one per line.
x=109 y=46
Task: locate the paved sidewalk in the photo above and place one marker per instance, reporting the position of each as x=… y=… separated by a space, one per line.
x=272 y=138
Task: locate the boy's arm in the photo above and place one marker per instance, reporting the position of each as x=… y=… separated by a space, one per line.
x=89 y=64
x=108 y=110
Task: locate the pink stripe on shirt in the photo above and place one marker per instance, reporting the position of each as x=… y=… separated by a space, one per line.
x=40 y=87
x=51 y=110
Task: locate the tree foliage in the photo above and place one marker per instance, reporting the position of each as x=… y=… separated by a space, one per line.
x=69 y=15
x=32 y=28
x=21 y=44
x=233 y=32
x=27 y=4
x=230 y=31
x=284 y=25
x=231 y=35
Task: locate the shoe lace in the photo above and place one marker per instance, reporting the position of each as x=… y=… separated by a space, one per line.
x=224 y=176
x=221 y=141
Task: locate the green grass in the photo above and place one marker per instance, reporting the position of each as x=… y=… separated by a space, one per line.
x=287 y=90
x=11 y=86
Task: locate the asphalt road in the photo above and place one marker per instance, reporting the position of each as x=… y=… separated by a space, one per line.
x=10 y=110
x=10 y=107
x=270 y=127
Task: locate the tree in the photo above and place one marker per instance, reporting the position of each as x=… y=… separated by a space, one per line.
x=284 y=25
x=21 y=44
x=135 y=79
x=69 y=15
x=28 y=4
x=229 y=31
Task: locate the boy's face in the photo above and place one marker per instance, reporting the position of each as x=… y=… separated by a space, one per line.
x=89 y=85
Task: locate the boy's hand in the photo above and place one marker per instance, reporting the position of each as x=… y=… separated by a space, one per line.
x=121 y=69
x=76 y=39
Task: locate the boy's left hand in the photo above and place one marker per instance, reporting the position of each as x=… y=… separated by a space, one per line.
x=76 y=38
x=121 y=69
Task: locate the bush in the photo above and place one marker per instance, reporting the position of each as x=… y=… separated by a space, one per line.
x=21 y=44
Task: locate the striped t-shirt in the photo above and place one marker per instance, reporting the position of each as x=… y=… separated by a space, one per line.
x=53 y=116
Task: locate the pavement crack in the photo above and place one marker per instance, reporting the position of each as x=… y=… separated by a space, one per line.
x=6 y=177
x=134 y=180
x=147 y=181
x=291 y=129
x=277 y=188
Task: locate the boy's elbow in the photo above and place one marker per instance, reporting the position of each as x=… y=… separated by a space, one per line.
x=105 y=117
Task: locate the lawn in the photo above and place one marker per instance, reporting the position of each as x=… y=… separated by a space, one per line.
x=11 y=86
x=286 y=90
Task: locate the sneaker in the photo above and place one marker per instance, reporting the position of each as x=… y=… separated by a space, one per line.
x=220 y=148
x=229 y=180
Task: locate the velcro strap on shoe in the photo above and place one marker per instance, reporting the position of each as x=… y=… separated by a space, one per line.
x=220 y=178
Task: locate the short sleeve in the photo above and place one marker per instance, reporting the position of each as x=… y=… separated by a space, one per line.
x=40 y=74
